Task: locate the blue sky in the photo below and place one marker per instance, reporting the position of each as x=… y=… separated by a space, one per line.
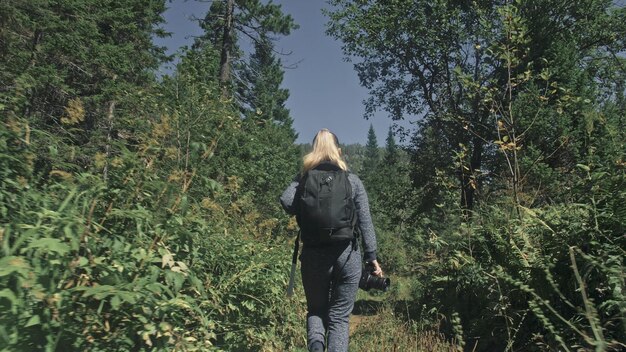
x=324 y=89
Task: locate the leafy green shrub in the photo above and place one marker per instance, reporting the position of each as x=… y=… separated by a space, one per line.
x=133 y=264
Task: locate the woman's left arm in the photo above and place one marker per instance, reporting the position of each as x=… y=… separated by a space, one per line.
x=368 y=236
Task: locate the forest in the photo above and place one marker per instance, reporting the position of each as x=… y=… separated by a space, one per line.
x=139 y=211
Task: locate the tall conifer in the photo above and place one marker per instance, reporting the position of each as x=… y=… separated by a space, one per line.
x=259 y=89
x=391 y=149
x=228 y=20
x=372 y=155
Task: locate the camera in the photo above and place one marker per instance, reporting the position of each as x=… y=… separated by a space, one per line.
x=369 y=281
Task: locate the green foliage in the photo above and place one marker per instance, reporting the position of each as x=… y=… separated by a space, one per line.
x=372 y=155
x=391 y=149
x=354 y=155
x=227 y=20
x=45 y=67
x=260 y=92
x=140 y=215
x=519 y=113
x=134 y=264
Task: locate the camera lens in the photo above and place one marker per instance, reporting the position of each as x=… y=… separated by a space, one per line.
x=369 y=281
x=380 y=283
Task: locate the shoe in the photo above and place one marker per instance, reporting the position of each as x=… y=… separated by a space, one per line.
x=317 y=347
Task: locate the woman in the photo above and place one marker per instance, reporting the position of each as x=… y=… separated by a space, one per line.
x=331 y=272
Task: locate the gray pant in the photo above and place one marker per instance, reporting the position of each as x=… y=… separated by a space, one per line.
x=330 y=276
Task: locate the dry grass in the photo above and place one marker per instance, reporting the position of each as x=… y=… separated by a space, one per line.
x=384 y=331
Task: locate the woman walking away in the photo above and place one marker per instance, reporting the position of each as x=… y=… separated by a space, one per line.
x=332 y=209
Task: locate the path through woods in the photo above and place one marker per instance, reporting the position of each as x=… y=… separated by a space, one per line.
x=375 y=325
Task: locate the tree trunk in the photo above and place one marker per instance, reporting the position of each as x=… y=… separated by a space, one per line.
x=105 y=172
x=37 y=37
x=227 y=43
x=468 y=179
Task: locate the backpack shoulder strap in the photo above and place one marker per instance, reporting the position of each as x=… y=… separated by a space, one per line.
x=294 y=263
x=355 y=216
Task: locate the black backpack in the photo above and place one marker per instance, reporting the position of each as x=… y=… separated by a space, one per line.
x=325 y=210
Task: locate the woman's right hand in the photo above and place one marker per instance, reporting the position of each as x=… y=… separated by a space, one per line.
x=377 y=269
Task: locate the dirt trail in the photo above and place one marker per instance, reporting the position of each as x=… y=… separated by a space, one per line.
x=356 y=321
x=364 y=314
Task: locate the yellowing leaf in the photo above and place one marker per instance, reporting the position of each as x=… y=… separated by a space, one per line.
x=61 y=174
x=74 y=112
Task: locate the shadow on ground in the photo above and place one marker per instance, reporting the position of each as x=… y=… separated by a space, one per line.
x=367 y=307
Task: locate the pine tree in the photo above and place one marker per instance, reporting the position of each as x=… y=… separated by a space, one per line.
x=372 y=155
x=391 y=149
x=259 y=93
x=229 y=19
x=261 y=149
x=70 y=67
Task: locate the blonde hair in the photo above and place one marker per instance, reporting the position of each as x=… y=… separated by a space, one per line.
x=325 y=148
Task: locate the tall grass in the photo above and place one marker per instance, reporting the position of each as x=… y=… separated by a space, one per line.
x=386 y=331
